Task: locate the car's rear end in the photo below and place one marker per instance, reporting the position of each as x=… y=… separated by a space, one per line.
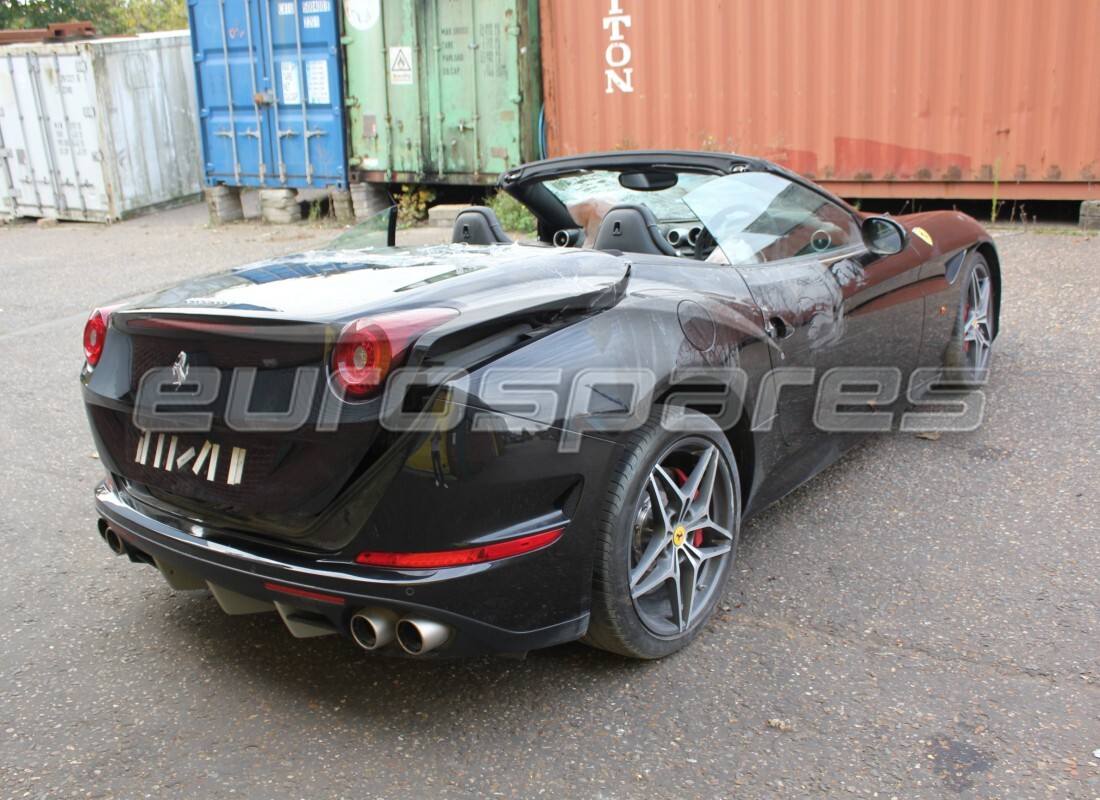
x=245 y=452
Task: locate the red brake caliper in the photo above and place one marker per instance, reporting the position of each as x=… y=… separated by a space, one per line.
x=681 y=476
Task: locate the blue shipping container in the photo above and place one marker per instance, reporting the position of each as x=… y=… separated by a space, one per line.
x=270 y=92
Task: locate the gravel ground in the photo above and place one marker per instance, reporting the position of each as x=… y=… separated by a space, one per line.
x=920 y=621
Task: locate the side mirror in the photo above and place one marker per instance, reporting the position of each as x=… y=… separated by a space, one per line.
x=884 y=236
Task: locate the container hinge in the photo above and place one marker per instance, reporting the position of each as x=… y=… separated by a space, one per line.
x=315 y=132
x=224 y=133
x=255 y=134
x=288 y=133
x=6 y=153
x=350 y=101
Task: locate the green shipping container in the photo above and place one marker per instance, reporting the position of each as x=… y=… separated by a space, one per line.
x=441 y=91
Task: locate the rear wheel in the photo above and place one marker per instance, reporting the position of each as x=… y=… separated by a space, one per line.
x=668 y=534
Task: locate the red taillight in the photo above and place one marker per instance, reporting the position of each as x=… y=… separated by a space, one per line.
x=362 y=358
x=458 y=558
x=368 y=348
x=95 y=331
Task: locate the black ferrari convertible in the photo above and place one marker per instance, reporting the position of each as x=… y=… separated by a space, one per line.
x=495 y=446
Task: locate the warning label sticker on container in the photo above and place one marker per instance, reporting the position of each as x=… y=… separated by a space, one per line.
x=317 y=82
x=292 y=88
x=362 y=14
x=401 y=69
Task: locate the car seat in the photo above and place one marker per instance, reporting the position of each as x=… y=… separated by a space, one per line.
x=632 y=229
x=478 y=225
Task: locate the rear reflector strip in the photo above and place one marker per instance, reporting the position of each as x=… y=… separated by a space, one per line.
x=323 y=598
x=458 y=558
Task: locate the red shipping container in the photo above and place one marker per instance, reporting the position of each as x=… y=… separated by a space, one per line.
x=872 y=98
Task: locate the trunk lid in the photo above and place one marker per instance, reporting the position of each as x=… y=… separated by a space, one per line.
x=272 y=323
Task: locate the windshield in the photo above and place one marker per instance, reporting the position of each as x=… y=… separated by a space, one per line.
x=602 y=188
x=372 y=233
x=757 y=217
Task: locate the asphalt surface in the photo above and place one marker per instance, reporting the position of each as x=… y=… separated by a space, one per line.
x=920 y=621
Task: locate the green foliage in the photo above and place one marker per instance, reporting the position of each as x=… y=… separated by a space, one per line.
x=513 y=215
x=139 y=16
x=109 y=17
x=412 y=204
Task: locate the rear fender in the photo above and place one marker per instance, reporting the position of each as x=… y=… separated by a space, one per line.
x=618 y=363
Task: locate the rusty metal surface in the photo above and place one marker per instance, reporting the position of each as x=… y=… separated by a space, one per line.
x=973 y=99
x=53 y=31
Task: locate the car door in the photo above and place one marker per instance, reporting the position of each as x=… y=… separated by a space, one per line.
x=826 y=300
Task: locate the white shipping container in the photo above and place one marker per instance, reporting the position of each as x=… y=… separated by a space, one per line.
x=98 y=130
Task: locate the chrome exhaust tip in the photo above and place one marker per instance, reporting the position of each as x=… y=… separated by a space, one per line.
x=372 y=628
x=418 y=635
x=114 y=541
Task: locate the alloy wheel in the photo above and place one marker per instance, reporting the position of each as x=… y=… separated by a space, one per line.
x=977 y=332
x=682 y=538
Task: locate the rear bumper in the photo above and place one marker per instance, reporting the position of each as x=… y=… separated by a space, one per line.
x=318 y=595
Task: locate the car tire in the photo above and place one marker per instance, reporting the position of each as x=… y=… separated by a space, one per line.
x=970 y=349
x=667 y=536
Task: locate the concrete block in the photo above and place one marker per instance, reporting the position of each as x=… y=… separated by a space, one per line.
x=1090 y=215
x=280 y=206
x=224 y=204
x=443 y=216
x=342 y=206
x=369 y=198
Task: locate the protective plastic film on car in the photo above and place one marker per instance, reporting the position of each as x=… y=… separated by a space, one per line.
x=757 y=217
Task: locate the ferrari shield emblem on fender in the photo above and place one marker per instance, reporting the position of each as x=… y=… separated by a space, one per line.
x=179 y=369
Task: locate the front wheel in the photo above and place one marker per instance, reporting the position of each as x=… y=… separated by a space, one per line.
x=667 y=538
x=971 y=345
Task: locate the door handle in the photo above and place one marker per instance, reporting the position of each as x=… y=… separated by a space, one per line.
x=777 y=329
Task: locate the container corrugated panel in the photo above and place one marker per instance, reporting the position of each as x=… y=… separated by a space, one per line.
x=441 y=91
x=97 y=130
x=973 y=98
x=270 y=92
